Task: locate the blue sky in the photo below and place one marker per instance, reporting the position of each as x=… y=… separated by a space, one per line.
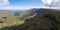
x=25 y=2
x=28 y=4
x=20 y=4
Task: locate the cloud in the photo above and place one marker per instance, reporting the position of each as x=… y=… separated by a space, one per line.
x=17 y=7
x=51 y=3
x=4 y=2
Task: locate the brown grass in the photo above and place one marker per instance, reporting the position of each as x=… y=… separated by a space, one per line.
x=11 y=20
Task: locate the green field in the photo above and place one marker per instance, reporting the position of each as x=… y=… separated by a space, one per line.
x=11 y=20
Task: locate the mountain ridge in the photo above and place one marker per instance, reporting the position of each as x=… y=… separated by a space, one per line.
x=46 y=19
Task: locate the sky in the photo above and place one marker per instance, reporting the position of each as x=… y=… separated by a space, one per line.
x=20 y=4
x=28 y=4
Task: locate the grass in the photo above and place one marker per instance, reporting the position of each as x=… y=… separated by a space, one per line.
x=11 y=20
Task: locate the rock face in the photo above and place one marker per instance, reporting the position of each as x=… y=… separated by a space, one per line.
x=46 y=19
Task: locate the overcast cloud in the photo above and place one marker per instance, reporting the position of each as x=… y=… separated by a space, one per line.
x=4 y=2
x=51 y=3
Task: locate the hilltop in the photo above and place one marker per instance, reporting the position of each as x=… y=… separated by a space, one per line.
x=45 y=19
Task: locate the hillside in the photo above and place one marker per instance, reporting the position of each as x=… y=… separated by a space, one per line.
x=45 y=19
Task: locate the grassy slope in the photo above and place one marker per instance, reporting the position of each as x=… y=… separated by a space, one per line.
x=42 y=21
x=11 y=20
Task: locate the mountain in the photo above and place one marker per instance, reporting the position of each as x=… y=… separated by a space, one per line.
x=45 y=19
x=9 y=11
x=5 y=11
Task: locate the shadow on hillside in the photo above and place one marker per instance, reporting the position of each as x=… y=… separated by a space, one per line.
x=36 y=24
x=42 y=21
